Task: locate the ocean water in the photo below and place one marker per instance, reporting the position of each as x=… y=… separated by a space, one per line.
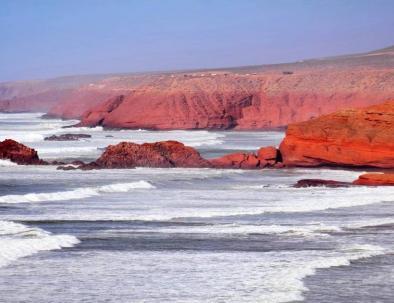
x=185 y=235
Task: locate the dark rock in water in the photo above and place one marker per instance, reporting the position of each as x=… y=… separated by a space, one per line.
x=67 y=137
x=19 y=153
x=321 y=182
x=90 y=166
x=67 y=167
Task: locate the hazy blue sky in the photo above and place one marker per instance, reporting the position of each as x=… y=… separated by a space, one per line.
x=46 y=38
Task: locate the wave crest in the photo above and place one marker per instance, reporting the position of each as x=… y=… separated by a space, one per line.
x=78 y=193
x=6 y=163
x=18 y=241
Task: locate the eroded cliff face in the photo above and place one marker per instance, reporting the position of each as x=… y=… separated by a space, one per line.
x=259 y=97
x=363 y=137
x=214 y=102
x=226 y=101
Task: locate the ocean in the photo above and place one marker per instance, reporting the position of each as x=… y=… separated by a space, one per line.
x=185 y=235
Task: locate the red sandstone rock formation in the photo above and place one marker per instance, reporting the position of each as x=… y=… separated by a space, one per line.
x=18 y=153
x=175 y=154
x=159 y=154
x=260 y=97
x=375 y=179
x=363 y=137
x=237 y=160
x=266 y=156
x=178 y=103
x=236 y=101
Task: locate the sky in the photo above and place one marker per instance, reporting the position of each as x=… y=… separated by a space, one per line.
x=49 y=38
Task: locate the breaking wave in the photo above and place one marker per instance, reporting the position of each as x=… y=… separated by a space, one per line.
x=287 y=283
x=5 y=163
x=18 y=241
x=75 y=194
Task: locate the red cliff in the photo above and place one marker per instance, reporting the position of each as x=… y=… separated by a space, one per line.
x=256 y=97
x=363 y=137
x=240 y=101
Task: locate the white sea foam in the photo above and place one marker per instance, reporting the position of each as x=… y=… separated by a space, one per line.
x=66 y=150
x=20 y=116
x=85 y=129
x=18 y=240
x=38 y=128
x=22 y=136
x=6 y=163
x=317 y=229
x=78 y=193
x=370 y=223
x=269 y=277
x=179 y=204
x=307 y=230
x=125 y=187
x=286 y=282
x=261 y=186
x=190 y=138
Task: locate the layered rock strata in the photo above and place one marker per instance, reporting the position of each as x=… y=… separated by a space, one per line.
x=353 y=137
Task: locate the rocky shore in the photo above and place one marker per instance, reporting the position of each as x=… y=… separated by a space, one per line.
x=348 y=138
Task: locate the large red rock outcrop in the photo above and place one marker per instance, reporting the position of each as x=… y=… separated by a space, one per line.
x=375 y=179
x=266 y=156
x=159 y=154
x=18 y=153
x=363 y=137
